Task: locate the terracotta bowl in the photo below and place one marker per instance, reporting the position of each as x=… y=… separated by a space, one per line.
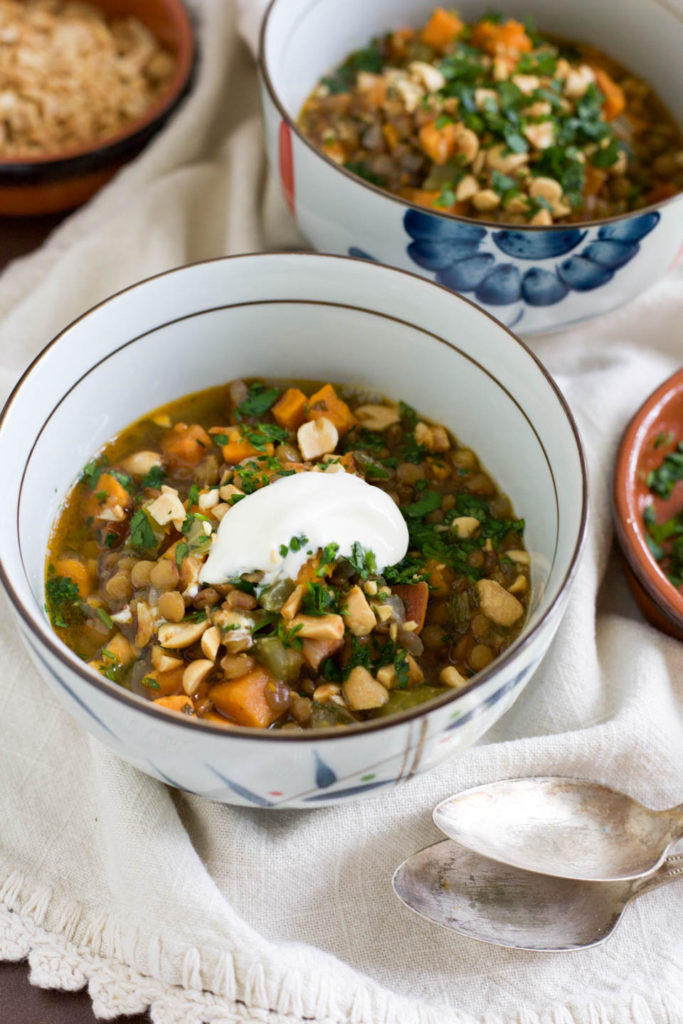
x=55 y=182
x=659 y=416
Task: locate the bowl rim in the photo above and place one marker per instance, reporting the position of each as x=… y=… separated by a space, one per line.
x=406 y=203
x=627 y=515
x=63 y=654
x=17 y=167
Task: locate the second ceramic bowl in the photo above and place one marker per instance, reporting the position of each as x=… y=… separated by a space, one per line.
x=532 y=278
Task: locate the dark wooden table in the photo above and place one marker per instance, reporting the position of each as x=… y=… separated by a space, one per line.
x=21 y=1002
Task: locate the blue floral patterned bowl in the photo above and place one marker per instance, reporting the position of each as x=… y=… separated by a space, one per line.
x=535 y=278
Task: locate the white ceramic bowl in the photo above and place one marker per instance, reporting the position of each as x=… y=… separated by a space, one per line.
x=300 y=316
x=532 y=278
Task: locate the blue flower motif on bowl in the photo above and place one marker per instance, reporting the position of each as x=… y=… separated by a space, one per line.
x=465 y=257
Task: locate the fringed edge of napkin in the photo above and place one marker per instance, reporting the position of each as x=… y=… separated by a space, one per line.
x=115 y=988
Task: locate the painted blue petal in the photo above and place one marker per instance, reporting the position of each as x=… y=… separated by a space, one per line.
x=236 y=787
x=582 y=274
x=361 y=254
x=611 y=254
x=338 y=794
x=324 y=776
x=542 y=287
x=465 y=275
x=425 y=226
x=631 y=229
x=438 y=255
x=538 y=245
x=501 y=287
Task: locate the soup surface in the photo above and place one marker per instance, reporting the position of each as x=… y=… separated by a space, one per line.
x=497 y=121
x=320 y=630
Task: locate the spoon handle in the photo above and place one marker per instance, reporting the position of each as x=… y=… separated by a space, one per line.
x=670 y=871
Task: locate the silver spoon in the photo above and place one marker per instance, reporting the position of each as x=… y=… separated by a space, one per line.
x=571 y=828
x=458 y=889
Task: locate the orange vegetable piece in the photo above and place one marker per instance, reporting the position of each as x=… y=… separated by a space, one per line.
x=438 y=143
x=327 y=403
x=244 y=699
x=308 y=573
x=168 y=682
x=441 y=29
x=77 y=571
x=107 y=494
x=290 y=410
x=185 y=445
x=238 y=448
x=177 y=703
x=506 y=40
x=615 y=101
x=415 y=597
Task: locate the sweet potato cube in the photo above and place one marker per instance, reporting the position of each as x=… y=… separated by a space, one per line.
x=77 y=571
x=185 y=445
x=107 y=494
x=290 y=410
x=615 y=101
x=326 y=402
x=179 y=703
x=438 y=144
x=441 y=29
x=244 y=699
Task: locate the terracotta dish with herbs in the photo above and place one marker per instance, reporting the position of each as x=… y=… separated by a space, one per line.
x=323 y=632
x=497 y=121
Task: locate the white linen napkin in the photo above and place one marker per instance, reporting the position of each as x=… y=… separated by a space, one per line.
x=210 y=913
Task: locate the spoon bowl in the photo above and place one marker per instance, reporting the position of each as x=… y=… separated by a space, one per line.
x=571 y=828
x=492 y=902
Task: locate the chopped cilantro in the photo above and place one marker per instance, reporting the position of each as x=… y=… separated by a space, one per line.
x=93 y=469
x=288 y=637
x=370 y=58
x=295 y=544
x=363 y=560
x=192 y=495
x=141 y=534
x=429 y=502
x=181 y=551
x=318 y=600
x=154 y=478
x=105 y=618
x=63 y=598
x=259 y=400
x=150 y=682
x=329 y=553
x=663 y=439
x=663 y=479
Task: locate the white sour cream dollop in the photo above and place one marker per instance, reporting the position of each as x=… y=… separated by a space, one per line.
x=325 y=508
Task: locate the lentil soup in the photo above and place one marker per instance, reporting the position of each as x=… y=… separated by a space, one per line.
x=497 y=121
x=344 y=638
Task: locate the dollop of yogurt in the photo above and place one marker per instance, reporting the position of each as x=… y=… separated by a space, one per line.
x=324 y=508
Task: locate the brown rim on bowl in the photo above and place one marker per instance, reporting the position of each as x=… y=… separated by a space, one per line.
x=50 y=165
x=406 y=203
x=626 y=507
x=67 y=657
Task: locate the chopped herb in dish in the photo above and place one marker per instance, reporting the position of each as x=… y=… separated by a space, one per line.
x=497 y=121
x=665 y=538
